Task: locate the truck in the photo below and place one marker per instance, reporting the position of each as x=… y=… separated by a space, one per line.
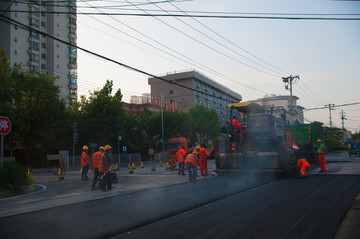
x=266 y=144
x=305 y=136
x=173 y=145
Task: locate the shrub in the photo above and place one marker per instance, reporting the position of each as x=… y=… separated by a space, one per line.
x=13 y=176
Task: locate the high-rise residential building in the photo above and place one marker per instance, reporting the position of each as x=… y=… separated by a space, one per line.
x=200 y=90
x=39 y=53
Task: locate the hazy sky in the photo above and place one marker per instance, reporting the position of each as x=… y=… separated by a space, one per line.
x=247 y=55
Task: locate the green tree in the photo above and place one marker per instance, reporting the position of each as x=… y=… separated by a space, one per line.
x=32 y=104
x=333 y=138
x=205 y=125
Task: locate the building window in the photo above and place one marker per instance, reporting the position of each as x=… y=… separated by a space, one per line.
x=15 y=52
x=43 y=24
x=57 y=45
x=43 y=66
x=57 y=66
x=57 y=24
x=73 y=81
x=15 y=63
x=171 y=92
x=43 y=45
x=57 y=56
x=15 y=15
x=43 y=56
x=15 y=39
x=15 y=27
x=43 y=14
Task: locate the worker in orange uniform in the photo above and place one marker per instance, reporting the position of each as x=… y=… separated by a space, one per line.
x=85 y=163
x=303 y=165
x=203 y=154
x=321 y=153
x=191 y=162
x=104 y=167
x=95 y=163
x=180 y=156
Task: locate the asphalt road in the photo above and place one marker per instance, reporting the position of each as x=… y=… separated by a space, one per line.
x=293 y=208
x=248 y=205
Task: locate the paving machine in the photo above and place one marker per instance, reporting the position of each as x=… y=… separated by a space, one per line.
x=262 y=143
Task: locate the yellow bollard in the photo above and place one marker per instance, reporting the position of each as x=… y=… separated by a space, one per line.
x=131 y=170
x=29 y=171
x=142 y=164
x=133 y=166
x=129 y=166
x=153 y=166
x=55 y=171
x=61 y=174
x=160 y=164
x=116 y=167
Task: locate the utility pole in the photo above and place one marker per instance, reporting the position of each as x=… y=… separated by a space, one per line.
x=330 y=109
x=343 y=117
x=289 y=81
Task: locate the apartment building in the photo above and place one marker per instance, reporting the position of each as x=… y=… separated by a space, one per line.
x=39 y=53
x=215 y=96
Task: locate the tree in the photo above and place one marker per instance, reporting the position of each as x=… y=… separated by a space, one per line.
x=205 y=125
x=333 y=138
x=32 y=103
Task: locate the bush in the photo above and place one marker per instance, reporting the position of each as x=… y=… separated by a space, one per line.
x=13 y=176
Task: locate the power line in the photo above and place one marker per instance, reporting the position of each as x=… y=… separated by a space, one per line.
x=14 y=22
x=326 y=107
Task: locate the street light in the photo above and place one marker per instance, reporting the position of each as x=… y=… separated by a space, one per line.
x=162 y=116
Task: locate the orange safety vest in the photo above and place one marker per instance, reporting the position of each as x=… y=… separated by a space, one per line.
x=191 y=159
x=104 y=164
x=203 y=154
x=96 y=160
x=85 y=160
x=302 y=162
x=180 y=155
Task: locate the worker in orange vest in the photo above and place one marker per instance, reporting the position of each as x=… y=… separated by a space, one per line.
x=203 y=154
x=180 y=156
x=95 y=163
x=303 y=165
x=85 y=163
x=191 y=162
x=104 y=167
x=321 y=153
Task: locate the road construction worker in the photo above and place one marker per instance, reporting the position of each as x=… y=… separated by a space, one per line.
x=303 y=165
x=180 y=156
x=191 y=163
x=104 y=167
x=321 y=153
x=96 y=160
x=85 y=163
x=203 y=154
x=171 y=164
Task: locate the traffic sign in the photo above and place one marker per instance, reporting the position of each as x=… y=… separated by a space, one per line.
x=151 y=151
x=92 y=145
x=124 y=148
x=5 y=125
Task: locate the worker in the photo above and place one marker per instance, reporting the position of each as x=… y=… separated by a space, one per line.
x=180 y=156
x=191 y=163
x=104 y=167
x=303 y=165
x=321 y=153
x=85 y=162
x=171 y=164
x=203 y=154
x=96 y=160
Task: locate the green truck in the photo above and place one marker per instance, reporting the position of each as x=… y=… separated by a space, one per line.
x=305 y=136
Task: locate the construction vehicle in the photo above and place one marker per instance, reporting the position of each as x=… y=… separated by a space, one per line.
x=173 y=145
x=265 y=145
x=305 y=136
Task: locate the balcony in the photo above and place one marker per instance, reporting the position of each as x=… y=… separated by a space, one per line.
x=33 y=50
x=72 y=65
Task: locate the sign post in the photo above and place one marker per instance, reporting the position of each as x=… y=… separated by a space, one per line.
x=5 y=128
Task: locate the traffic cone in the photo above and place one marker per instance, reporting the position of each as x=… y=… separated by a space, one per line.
x=131 y=170
x=61 y=174
x=142 y=164
x=160 y=164
x=133 y=166
x=153 y=166
x=129 y=166
x=116 y=167
x=29 y=171
x=55 y=171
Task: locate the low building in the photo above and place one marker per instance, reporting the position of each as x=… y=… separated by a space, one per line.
x=200 y=90
x=283 y=103
x=137 y=109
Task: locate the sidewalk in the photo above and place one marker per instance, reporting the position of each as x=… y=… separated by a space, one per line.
x=49 y=191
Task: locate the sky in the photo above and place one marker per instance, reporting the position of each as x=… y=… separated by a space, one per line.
x=247 y=55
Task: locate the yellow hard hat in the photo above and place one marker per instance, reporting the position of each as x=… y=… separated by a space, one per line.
x=319 y=140
x=107 y=147
x=85 y=147
x=102 y=148
x=197 y=147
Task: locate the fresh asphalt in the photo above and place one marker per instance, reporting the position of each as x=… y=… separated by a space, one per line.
x=50 y=211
